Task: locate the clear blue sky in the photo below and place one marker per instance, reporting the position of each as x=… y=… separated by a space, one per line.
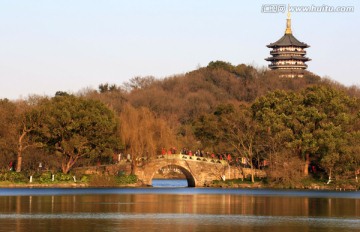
x=68 y=45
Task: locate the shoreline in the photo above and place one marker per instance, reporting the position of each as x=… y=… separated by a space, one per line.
x=66 y=185
x=139 y=185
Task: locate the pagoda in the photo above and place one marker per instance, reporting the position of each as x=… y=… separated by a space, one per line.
x=288 y=54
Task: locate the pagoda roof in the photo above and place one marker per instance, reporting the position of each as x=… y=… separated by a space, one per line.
x=288 y=58
x=288 y=40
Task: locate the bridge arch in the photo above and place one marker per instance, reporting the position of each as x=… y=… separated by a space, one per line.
x=198 y=171
x=189 y=177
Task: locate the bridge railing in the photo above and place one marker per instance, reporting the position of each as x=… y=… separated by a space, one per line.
x=192 y=158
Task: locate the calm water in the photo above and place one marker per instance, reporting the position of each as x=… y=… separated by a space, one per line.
x=167 y=208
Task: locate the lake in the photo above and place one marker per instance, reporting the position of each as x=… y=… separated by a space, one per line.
x=170 y=206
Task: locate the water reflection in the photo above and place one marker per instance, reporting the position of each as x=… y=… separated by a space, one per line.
x=188 y=204
x=178 y=212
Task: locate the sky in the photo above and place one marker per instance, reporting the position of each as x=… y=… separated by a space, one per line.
x=70 y=45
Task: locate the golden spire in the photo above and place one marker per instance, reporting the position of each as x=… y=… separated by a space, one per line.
x=288 y=22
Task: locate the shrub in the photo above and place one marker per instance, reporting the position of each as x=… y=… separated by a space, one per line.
x=126 y=179
x=84 y=179
x=16 y=177
x=64 y=177
x=45 y=177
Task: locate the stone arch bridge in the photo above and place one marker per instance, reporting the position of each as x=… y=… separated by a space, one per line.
x=199 y=171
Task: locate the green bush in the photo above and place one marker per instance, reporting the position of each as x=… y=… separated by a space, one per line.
x=45 y=177
x=126 y=179
x=63 y=177
x=84 y=179
x=16 y=177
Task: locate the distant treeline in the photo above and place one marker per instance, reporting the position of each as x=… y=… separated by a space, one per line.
x=299 y=126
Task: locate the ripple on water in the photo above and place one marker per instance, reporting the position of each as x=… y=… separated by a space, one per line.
x=209 y=219
x=176 y=190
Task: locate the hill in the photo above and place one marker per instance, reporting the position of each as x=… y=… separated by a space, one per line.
x=291 y=127
x=180 y=99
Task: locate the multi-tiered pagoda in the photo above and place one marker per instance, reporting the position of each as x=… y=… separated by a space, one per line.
x=288 y=54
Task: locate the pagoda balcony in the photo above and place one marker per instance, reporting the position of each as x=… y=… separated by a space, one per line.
x=278 y=52
x=288 y=66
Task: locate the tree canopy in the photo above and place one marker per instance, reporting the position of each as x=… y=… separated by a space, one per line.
x=296 y=125
x=75 y=128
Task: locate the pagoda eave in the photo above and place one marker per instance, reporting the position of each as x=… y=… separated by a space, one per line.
x=286 y=67
x=274 y=45
x=287 y=40
x=277 y=58
x=296 y=52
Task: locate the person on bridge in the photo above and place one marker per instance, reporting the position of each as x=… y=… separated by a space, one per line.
x=229 y=158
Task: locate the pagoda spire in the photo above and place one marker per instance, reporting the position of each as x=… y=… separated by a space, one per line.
x=288 y=22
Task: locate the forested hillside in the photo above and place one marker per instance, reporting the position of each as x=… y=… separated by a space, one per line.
x=291 y=127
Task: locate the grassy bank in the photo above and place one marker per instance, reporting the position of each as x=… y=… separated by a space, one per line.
x=59 y=180
x=309 y=183
x=79 y=180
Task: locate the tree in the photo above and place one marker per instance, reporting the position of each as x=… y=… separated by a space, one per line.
x=104 y=88
x=8 y=132
x=76 y=129
x=143 y=134
x=208 y=130
x=352 y=161
x=334 y=119
x=232 y=126
x=274 y=115
x=240 y=132
x=137 y=83
x=30 y=119
x=205 y=130
x=314 y=123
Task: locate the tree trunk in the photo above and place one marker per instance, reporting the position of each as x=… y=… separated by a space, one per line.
x=133 y=167
x=20 y=150
x=19 y=162
x=64 y=168
x=67 y=165
x=252 y=172
x=306 y=166
x=242 y=173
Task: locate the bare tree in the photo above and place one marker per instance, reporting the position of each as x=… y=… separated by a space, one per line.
x=240 y=131
x=143 y=134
